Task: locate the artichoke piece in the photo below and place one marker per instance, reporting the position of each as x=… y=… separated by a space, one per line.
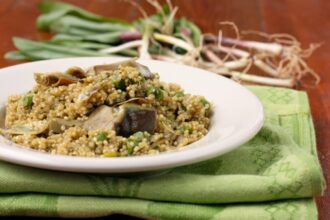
x=31 y=128
x=145 y=71
x=125 y=120
x=76 y=72
x=55 y=79
x=56 y=125
x=104 y=117
x=135 y=118
x=86 y=95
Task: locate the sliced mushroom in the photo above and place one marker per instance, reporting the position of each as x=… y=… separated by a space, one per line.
x=56 y=125
x=55 y=79
x=145 y=71
x=134 y=118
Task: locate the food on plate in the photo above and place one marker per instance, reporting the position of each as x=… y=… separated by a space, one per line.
x=111 y=110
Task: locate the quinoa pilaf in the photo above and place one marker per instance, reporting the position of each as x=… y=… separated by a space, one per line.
x=112 y=110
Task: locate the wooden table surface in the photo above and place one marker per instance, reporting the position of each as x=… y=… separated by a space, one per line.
x=308 y=20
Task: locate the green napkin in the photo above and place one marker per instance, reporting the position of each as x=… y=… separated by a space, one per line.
x=273 y=176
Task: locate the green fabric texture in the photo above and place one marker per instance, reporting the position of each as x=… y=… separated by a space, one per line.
x=273 y=176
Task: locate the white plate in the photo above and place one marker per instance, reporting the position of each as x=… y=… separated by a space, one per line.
x=238 y=116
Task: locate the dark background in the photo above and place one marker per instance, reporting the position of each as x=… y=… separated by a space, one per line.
x=308 y=20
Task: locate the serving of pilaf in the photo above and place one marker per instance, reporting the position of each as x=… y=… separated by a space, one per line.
x=111 y=110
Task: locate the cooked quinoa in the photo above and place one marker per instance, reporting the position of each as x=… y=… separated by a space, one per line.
x=91 y=115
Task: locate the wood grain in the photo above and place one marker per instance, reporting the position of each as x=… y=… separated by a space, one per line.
x=308 y=20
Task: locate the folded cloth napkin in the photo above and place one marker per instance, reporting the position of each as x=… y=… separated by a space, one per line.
x=273 y=176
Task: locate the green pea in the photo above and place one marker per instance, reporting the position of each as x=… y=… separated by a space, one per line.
x=102 y=136
x=138 y=135
x=158 y=92
x=179 y=94
x=133 y=141
x=28 y=101
x=130 y=150
x=129 y=146
x=119 y=84
x=151 y=90
x=182 y=130
x=205 y=103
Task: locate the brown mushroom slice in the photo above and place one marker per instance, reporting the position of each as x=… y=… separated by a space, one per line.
x=145 y=71
x=134 y=118
x=55 y=79
x=76 y=72
x=56 y=125
x=104 y=117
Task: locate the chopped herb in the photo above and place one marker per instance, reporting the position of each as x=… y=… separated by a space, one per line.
x=142 y=80
x=158 y=92
x=182 y=130
x=131 y=81
x=205 y=103
x=102 y=136
x=179 y=94
x=133 y=141
x=130 y=150
x=185 y=128
x=151 y=90
x=119 y=84
x=28 y=101
x=138 y=136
